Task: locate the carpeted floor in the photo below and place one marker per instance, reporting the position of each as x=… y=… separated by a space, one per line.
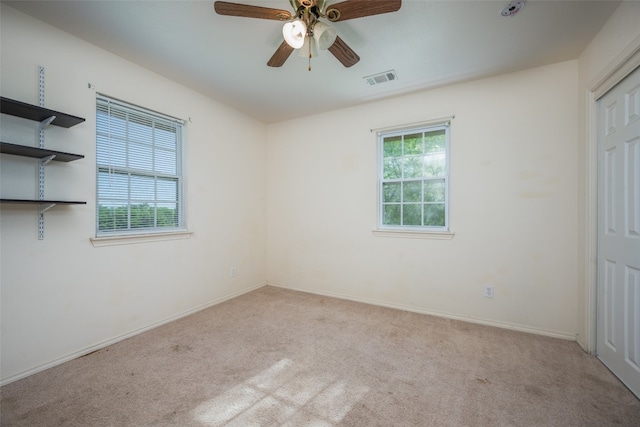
x=277 y=357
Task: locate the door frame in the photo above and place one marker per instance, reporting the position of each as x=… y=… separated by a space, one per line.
x=621 y=66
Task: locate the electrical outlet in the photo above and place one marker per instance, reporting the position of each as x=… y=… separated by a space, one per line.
x=488 y=291
x=234 y=272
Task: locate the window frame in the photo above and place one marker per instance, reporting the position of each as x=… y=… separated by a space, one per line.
x=414 y=231
x=129 y=233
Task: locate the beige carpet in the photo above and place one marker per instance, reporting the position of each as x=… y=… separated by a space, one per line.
x=276 y=357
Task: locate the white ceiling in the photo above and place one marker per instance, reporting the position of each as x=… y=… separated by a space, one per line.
x=428 y=43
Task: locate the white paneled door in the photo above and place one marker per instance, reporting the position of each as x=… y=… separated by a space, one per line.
x=619 y=230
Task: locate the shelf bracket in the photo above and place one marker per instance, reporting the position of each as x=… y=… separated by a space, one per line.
x=45 y=207
x=46 y=122
x=45 y=160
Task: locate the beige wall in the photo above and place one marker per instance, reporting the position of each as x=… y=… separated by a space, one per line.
x=61 y=296
x=619 y=36
x=513 y=204
x=521 y=181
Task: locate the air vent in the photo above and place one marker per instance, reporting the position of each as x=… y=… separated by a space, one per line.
x=375 y=79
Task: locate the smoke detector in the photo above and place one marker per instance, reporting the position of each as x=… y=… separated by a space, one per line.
x=513 y=8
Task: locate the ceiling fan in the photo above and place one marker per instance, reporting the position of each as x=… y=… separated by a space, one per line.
x=304 y=30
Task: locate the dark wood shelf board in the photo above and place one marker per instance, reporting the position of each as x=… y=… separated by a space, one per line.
x=33 y=112
x=41 y=202
x=37 y=153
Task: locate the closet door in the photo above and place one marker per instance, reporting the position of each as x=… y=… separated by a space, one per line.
x=619 y=230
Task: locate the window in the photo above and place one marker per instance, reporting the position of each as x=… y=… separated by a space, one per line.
x=139 y=170
x=413 y=178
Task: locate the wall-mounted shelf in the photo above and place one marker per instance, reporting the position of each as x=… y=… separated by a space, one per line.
x=44 y=117
x=44 y=205
x=38 y=153
x=40 y=202
x=38 y=114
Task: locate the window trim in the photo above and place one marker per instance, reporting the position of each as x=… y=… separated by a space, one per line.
x=127 y=236
x=420 y=232
x=129 y=239
x=414 y=234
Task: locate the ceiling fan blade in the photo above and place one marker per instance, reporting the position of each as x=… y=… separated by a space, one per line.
x=344 y=53
x=351 y=9
x=281 y=55
x=248 y=11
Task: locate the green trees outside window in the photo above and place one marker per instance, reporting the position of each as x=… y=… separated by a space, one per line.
x=413 y=181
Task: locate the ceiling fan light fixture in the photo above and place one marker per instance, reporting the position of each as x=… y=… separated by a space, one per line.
x=294 y=33
x=309 y=48
x=325 y=35
x=306 y=15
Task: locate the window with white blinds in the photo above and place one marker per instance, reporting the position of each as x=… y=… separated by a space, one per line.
x=139 y=170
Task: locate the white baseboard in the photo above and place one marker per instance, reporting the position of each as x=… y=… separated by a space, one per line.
x=106 y=343
x=503 y=325
x=583 y=344
x=119 y=338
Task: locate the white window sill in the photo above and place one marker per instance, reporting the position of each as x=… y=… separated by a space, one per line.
x=129 y=239
x=414 y=234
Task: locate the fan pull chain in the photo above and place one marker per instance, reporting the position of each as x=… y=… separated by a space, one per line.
x=309 y=69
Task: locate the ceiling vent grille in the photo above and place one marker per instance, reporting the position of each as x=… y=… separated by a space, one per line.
x=375 y=79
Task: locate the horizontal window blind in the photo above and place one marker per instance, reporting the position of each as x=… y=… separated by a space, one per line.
x=139 y=170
